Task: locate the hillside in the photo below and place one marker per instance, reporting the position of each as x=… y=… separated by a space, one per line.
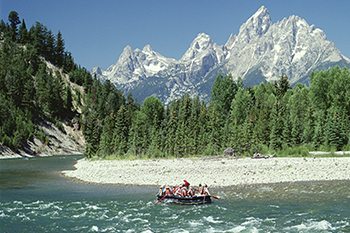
x=62 y=136
x=40 y=105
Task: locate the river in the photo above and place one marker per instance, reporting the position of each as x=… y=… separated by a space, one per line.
x=35 y=197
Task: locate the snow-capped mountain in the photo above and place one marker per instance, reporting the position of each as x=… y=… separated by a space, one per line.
x=261 y=51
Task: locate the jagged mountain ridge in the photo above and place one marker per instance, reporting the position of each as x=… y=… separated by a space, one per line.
x=261 y=51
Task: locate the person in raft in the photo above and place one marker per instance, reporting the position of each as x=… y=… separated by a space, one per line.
x=165 y=190
x=206 y=190
x=168 y=191
x=184 y=190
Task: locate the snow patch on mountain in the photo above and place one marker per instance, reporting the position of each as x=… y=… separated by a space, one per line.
x=261 y=51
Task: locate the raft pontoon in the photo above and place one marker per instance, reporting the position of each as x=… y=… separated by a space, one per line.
x=195 y=200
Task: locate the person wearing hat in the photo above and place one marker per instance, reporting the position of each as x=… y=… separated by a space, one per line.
x=186 y=183
x=184 y=188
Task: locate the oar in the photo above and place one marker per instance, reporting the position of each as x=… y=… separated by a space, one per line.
x=216 y=197
x=160 y=200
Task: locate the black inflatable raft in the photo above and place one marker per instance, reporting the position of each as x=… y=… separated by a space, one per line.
x=195 y=200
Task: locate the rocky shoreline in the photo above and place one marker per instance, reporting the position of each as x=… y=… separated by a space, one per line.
x=212 y=171
x=71 y=141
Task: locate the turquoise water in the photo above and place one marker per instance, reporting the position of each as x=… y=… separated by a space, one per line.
x=36 y=198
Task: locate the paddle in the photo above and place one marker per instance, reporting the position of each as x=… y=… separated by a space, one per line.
x=216 y=197
x=160 y=200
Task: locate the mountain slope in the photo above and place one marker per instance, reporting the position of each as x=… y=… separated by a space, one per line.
x=261 y=51
x=61 y=137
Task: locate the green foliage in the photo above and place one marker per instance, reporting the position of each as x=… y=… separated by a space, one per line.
x=153 y=109
x=80 y=76
x=69 y=99
x=60 y=126
x=23 y=36
x=139 y=135
x=41 y=136
x=29 y=93
x=223 y=91
x=105 y=147
x=296 y=151
x=49 y=93
x=269 y=118
x=14 y=21
x=121 y=132
x=59 y=50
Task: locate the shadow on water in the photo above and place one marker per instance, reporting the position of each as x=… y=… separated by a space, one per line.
x=41 y=178
x=20 y=173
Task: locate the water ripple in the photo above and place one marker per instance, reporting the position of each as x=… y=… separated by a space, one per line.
x=145 y=216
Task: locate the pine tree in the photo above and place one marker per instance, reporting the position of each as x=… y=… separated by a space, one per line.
x=56 y=102
x=23 y=36
x=263 y=100
x=14 y=81
x=319 y=90
x=37 y=35
x=42 y=94
x=214 y=130
x=194 y=127
x=223 y=91
x=105 y=147
x=335 y=133
x=3 y=29
x=49 y=52
x=286 y=132
x=318 y=137
x=14 y=21
x=184 y=131
x=299 y=108
x=282 y=86
x=139 y=138
x=170 y=128
x=69 y=99
x=59 y=50
x=240 y=117
x=121 y=132
x=276 y=126
x=68 y=63
x=154 y=110
x=154 y=149
x=92 y=132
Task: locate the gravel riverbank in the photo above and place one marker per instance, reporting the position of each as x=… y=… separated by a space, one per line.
x=212 y=171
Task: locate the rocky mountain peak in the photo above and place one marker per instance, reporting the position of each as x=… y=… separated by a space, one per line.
x=230 y=42
x=127 y=51
x=201 y=43
x=257 y=25
x=147 y=49
x=261 y=51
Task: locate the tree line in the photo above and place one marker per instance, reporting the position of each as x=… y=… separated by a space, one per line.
x=268 y=117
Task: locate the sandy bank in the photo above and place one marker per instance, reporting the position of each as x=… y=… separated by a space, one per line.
x=213 y=171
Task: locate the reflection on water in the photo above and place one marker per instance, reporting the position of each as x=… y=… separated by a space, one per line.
x=36 y=198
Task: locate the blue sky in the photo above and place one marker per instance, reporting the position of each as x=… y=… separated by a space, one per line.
x=96 y=31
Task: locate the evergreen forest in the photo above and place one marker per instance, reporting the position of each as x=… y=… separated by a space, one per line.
x=267 y=118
